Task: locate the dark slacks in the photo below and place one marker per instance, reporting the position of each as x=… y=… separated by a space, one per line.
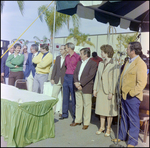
x=132 y=123
x=68 y=88
x=13 y=76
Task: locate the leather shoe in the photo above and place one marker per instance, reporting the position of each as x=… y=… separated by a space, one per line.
x=115 y=140
x=74 y=124
x=61 y=118
x=60 y=115
x=129 y=145
x=85 y=127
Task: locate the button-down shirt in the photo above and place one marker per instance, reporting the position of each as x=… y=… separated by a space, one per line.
x=82 y=67
x=61 y=61
x=131 y=60
x=71 y=63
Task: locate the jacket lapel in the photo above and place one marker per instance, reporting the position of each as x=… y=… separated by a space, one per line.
x=84 y=70
x=131 y=66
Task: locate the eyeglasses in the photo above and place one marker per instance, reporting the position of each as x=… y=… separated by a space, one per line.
x=24 y=48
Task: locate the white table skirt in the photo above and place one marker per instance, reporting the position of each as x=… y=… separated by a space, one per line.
x=14 y=94
x=48 y=88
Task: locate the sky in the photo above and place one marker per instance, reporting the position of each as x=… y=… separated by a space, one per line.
x=13 y=24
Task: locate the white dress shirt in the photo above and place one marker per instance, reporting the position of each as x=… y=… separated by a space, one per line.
x=82 y=67
x=61 y=61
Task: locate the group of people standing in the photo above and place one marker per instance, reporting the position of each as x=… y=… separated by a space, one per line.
x=34 y=66
x=81 y=77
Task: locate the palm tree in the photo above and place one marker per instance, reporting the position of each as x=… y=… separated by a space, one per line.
x=60 y=19
x=20 y=4
x=109 y=30
x=22 y=41
x=79 y=38
x=74 y=33
x=45 y=39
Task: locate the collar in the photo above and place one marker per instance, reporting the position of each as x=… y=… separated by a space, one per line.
x=85 y=60
x=62 y=57
x=131 y=60
x=111 y=61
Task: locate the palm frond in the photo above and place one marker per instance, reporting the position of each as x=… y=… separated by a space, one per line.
x=35 y=37
x=21 y=6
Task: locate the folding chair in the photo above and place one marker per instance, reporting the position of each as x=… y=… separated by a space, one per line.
x=21 y=84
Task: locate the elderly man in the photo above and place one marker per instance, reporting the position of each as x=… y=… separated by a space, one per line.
x=30 y=66
x=58 y=74
x=132 y=82
x=4 y=68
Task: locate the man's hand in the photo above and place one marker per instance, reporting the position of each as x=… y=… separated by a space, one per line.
x=2 y=74
x=110 y=96
x=95 y=93
x=52 y=82
x=80 y=88
x=16 y=66
x=77 y=84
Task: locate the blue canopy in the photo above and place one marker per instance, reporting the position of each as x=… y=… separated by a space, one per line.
x=127 y=14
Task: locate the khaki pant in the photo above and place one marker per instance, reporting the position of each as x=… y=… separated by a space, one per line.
x=56 y=89
x=83 y=107
x=30 y=81
x=38 y=82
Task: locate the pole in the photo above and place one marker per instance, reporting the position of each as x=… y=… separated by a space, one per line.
x=54 y=31
x=118 y=103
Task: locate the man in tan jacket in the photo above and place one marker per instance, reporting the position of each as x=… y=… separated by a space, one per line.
x=132 y=82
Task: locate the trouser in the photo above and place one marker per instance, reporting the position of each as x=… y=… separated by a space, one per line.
x=38 y=82
x=6 y=80
x=68 y=87
x=83 y=107
x=130 y=106
x=30 y=82
x=13 y=76
x=56 y=89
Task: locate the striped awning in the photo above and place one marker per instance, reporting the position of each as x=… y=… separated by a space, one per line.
x=128 y=14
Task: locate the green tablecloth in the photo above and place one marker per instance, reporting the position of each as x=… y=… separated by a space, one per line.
x=25 y=123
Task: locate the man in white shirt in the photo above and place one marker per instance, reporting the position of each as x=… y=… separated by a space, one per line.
x=58 y=74
x=83 y=78
x=4 y=68
x=30 y=66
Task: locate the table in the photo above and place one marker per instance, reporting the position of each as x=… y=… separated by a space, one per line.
x=47 y=90
x=26 y=117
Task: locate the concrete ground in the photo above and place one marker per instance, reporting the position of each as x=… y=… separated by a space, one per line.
x=67 y=136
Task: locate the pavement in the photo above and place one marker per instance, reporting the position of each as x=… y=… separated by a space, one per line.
x=67 y=136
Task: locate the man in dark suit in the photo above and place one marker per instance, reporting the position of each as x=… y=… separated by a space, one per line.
x=83 y=78
x=58 y=74
x=4 y=68
x=30 y=67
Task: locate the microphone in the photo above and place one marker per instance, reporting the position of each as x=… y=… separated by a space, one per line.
x=121 y=53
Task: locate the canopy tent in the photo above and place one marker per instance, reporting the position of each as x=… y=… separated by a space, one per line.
x=127 y=14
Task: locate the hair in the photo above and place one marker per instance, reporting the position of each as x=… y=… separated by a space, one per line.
x=107 y=49
x=35 y=46
x=17 y=44
x=26 y=46
x=136 y=46
x=70 y=45
x=86 y=51
x=94 y=54
x=62 y=45
x=44 y=46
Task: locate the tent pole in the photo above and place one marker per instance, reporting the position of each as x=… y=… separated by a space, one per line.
x=54 y=31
